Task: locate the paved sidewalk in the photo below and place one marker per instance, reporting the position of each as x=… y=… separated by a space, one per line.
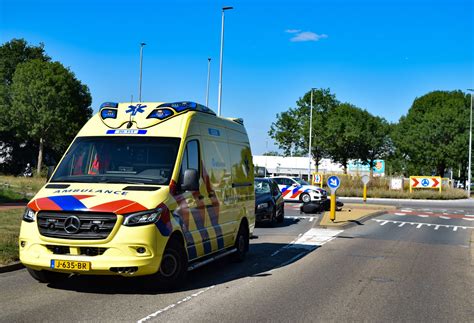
x=352 y=213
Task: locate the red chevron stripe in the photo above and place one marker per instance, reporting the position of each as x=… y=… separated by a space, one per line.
x=296 y=194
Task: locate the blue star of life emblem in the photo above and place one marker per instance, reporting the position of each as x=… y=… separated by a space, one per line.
x=134 y=109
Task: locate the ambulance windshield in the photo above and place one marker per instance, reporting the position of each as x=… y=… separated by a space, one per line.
x=127 y=159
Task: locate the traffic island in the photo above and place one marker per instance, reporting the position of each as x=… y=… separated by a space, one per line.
x=354 y=214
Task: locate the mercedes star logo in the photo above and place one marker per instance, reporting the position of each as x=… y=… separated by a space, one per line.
x=72 y=224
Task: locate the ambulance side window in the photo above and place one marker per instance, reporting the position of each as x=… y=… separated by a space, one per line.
x=190 y=157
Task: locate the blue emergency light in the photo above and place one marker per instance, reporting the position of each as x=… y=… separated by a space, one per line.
x=187 y=106
x=160 y=114
x=108 y=114
x=109 y=105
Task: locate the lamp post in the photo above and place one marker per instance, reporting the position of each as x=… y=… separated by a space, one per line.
x=310 y=135
x=470 y=151
x=140 y=79
x=208 y=79
x=219 y=99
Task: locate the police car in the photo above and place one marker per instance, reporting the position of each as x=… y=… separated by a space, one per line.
x=296 y=189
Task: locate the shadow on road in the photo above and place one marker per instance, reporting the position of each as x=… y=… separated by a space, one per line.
x=286 y=223
x=257 y=264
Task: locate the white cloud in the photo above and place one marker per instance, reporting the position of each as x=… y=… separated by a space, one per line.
x=307 y=36
x=292 y=31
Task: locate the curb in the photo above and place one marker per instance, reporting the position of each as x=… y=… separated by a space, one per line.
x=11 y=267
x=353 y=223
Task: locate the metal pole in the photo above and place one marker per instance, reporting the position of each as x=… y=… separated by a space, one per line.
x=208 y=79
x=140 y=80
x=310 y=132
x=470 y=152
x=219 y=98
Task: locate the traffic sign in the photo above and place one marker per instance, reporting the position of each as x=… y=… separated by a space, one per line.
x=433 y=182
x=365 y=179
x=334 y=182
x=317 y=178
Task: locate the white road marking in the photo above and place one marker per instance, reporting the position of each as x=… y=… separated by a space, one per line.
x=471 y=215
x=406 y=210
x=311 y=219
x=468 y=219
x=402 y=224
x=444 y=217
x=419 y=224
x=429 y=212
x=314 y=238
x=423 y=215
x=399 y=213
x=167 y=308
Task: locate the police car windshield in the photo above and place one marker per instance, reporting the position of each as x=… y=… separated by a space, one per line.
x=300 y=181
x=127 y=159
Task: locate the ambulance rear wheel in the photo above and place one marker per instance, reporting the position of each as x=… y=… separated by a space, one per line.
x=241 y=243
x=305 y=198
x=46 y=277
x=174 y=265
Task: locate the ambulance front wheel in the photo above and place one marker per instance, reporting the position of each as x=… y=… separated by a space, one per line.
x=46 y=277
x=174 y=265
x=305 y=198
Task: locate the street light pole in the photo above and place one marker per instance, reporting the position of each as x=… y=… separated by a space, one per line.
x=310 y=134
x=208 y=79
x=219 y=99
x=140 y=80
x=470 y=151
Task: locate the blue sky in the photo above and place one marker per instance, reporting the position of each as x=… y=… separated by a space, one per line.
x=376 y=54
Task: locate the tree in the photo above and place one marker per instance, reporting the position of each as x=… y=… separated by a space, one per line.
x=285 y=131
x=375 y=142
x=323 y=103
x=49 y=105
x=344 y=131
x=291 y=130
x=434 y=134
x=12 y=54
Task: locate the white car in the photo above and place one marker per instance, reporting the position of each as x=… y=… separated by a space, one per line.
x=296 y=189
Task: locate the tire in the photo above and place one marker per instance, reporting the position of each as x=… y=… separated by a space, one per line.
x=241 y=243
x=47 y=277
x=273 y=220
x=281 y=216
x=305 y=198
x=174 y=265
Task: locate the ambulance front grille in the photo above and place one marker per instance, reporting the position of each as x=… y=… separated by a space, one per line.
x=76 y=225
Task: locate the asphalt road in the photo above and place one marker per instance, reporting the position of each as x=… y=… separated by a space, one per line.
x=414 y=264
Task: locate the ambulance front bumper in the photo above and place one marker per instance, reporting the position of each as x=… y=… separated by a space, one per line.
x=128 y=251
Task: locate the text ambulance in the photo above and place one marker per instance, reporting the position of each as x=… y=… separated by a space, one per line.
x=144 y=189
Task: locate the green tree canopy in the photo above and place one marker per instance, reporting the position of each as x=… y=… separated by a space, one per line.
x=291 y=129
x=49 y=104
x=433 y=136
x=344 y=129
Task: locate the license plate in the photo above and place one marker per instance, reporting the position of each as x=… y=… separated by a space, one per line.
x=71 y=265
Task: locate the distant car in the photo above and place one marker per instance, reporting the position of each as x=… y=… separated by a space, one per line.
x=296 y=189
x=269 y=205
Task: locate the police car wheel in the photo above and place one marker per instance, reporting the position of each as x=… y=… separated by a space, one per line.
x=46 y=277
x=241 y=243
x=305 y=198
x=173 y=267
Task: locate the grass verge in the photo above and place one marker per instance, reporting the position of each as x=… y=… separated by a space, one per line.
x=10 y=221
x=19 y=189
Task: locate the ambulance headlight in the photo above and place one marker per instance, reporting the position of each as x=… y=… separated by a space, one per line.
x=29 y=215
x=142 y=218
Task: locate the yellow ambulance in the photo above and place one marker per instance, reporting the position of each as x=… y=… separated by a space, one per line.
x=144 y=189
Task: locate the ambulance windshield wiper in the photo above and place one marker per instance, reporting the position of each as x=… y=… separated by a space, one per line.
x=126 y=180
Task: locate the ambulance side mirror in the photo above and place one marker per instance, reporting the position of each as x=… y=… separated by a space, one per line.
x=190 y=180
x=50 y=172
